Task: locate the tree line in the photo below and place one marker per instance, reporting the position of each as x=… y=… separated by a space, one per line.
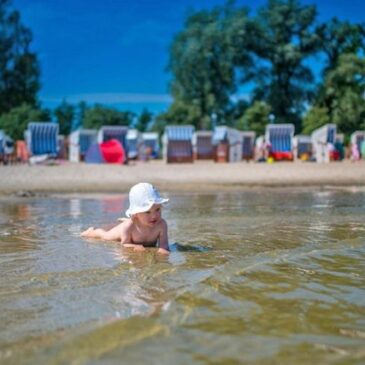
x=20 y=84
x=227 y=66
x=297 y=69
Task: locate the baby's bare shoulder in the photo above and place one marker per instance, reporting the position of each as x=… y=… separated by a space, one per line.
x=126 y=224
x=163 y=224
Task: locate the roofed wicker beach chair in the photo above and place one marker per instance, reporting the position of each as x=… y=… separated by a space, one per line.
x=323 y=140
x=248 y=145
x=228 y=144
x=80 y=142
x=134 y=143
x=177 y=143
x=42 y=139
x=303 y=147
x=2 y=152
x=280 y=139
x=108 y=132
x=203 y=145
x=151 y=144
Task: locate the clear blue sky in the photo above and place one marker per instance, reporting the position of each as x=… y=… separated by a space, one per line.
x=115 y=52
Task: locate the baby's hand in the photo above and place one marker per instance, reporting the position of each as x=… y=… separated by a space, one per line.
x=139 y=248
x=163 y=251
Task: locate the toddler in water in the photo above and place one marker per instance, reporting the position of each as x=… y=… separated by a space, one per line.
x=144 y=225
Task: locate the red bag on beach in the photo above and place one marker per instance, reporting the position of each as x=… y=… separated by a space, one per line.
x=112 y=151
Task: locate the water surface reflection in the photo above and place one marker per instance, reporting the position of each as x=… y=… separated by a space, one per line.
x=259 y=276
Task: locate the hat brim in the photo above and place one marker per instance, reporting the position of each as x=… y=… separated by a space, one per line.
x=129 y=212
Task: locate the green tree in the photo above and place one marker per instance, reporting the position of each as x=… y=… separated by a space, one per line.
x=65 y=114
x=283 y=39
x=345 y=87
x=315 y=117
x=144 y=119
x=181 y=113
x=98 y=116
x=202 y=63
x=235 y=113
x=159 y=124
x=19 y=70
x=79 y=115
x=337 y=38
x=15 y=122
x=255 y=118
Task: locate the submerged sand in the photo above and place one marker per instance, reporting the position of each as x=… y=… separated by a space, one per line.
x=199 y=176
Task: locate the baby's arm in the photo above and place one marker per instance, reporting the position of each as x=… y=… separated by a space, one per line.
x=163 y=239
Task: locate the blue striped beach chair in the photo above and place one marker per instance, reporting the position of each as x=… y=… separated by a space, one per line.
x=178 y=143
x=280 y=138
x=2 y=140
x=2 y=146
x=42 y=138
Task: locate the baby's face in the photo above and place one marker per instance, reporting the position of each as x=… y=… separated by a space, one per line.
x=151 y=217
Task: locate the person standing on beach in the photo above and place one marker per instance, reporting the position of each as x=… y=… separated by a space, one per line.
x=144 y=225
x=355 y=153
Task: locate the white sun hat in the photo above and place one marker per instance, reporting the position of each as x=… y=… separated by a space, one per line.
x=142 y=197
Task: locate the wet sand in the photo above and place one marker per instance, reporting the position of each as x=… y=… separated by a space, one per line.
x=200 y=176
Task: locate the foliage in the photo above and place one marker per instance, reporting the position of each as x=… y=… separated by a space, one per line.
x=19 y=70
x=315 y=118
x=219 y=52
x=234 y=113
x=337 y=38
x=159 y=124
x=65 y=114
x=255 y=118
x=182 y=113
x=15 y=122
x=340 y=37
x=202 y=64
x=80 y=111
x=99 y=116
x=144 y=120
x=285 y=38
x=345 y=87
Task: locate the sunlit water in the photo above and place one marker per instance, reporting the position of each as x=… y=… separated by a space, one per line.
x=254 y=277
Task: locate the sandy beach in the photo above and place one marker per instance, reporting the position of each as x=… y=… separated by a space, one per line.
x=200 y=176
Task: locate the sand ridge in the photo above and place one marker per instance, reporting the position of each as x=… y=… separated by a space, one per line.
x=198 y=176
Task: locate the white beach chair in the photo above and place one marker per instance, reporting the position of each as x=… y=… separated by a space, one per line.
x=80 y=142
x=322 y=139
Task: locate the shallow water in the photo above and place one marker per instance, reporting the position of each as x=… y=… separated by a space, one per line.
x=254 y=277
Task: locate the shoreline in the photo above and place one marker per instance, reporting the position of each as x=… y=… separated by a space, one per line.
x=199 y=176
